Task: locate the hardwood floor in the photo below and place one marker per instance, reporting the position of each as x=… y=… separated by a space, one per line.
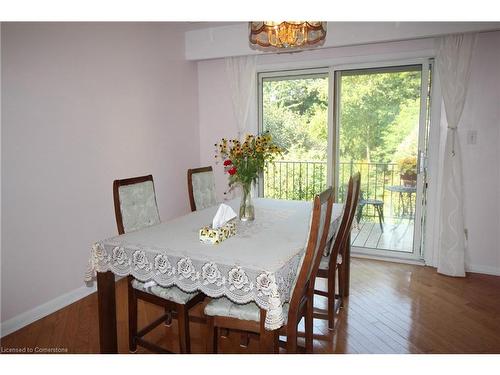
x=393 y=308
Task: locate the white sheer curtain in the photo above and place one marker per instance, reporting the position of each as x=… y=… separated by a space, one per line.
x=454 y=55
x=241 y=73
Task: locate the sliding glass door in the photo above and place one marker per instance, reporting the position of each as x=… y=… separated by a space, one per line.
x=334 y=122
x=381 y=122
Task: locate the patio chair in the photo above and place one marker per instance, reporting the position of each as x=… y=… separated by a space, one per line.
x=376 y=203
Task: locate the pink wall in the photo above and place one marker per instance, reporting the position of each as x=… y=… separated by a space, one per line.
x=82 y=105
x=482 y=179
x=482 y=160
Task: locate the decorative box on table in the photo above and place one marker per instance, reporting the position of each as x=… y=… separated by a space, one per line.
x=213 y=236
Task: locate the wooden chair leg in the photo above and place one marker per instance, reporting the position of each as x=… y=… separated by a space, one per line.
x=291 y=339
x=183 y=322
x=244 y=339
x=211 y=336
x=308 y=323
x=341 y=277
x=276 y=346
x=331 y=299
x=132 y=317
x=269 y=342
x=346 y=269
x=168 y=321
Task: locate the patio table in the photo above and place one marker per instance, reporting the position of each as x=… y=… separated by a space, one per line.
x=258 y=264
x=408 y=190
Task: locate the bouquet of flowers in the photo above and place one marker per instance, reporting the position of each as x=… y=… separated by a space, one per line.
x=244 y=161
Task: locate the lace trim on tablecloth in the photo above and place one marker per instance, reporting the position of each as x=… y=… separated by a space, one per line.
x=270 y=290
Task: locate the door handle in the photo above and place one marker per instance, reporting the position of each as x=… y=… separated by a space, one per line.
x=421 y=162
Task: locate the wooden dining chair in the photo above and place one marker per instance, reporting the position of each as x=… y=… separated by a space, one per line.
x=223 y=314
x=201 y=188
x=331 y=266
x=136 y=208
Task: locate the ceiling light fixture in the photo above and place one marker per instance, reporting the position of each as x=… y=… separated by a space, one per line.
x=286 y=35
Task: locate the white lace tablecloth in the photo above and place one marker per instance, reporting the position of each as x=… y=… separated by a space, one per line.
x=258 y=264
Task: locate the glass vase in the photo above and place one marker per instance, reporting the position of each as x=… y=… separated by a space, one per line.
x=247 y=211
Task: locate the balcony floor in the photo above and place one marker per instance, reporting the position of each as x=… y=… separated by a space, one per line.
x=397 y=235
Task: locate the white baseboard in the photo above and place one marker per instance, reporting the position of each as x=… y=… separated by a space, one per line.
x=45 y=309
x=495 y=271
x=368 y=254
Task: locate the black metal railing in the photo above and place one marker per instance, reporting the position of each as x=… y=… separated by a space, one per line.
x=301 y=180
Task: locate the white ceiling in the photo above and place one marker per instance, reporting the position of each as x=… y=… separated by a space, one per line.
x=210 y=40
x=189 y=26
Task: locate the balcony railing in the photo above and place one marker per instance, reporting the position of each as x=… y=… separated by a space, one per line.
x=301 y=180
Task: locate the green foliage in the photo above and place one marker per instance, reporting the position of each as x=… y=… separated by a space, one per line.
x=295 y=113
x=377 y=113
x=379 y=116
x=294 y=180
x=408 y=165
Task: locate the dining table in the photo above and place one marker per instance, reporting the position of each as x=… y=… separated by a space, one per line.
x=258 y=264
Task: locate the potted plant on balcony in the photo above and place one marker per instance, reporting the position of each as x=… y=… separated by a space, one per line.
x=243 y=162
x=408 y=170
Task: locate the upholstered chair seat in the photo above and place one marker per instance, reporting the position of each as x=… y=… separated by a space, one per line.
x=172 y=293
x=248 y=311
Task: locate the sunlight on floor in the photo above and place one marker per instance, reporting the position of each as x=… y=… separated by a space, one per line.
x=397 y=235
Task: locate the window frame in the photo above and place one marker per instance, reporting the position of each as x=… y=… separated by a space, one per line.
x=279 y=75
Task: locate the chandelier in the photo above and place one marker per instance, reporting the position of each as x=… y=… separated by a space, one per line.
x=270 y=35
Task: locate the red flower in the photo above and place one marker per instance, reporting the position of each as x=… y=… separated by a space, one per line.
x=227 y=162
x=232 y=171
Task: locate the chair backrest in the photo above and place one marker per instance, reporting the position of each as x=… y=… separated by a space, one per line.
x=318 y=233
x=135 y=203
x=201 y=187
x=350 y=206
